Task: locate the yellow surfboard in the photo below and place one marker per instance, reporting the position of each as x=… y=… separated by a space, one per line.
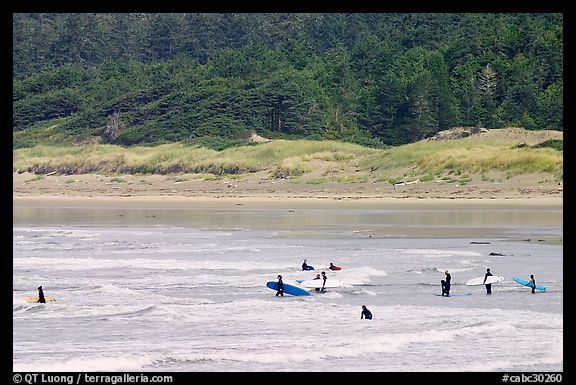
x=35 y=299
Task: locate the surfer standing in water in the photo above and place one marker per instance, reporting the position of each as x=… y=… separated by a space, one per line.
x=532 y=283
x=41 y=298
x=324 y=283
x=489 y=285
x=280 y=287
x=446 y=284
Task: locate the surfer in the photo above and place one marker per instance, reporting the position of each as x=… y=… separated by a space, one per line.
x=365 y=313
x=280 y=287
x=318 y=277
x=332 y=267
x=41 y=298
x=488 y=285
x=446 y=284
x=324 y=283
x=532 y=283
x=305 y=264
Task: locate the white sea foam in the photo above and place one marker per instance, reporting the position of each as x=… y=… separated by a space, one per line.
x=98 y=363
x=128 y=301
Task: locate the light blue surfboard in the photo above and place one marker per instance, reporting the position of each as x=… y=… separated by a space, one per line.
x=288 y=289
x=453 y=295
x=526 y=283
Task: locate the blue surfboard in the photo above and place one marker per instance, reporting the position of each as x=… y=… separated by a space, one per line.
x=288 y=289
x=526 y=283
x=308 y=267
x=453 y=295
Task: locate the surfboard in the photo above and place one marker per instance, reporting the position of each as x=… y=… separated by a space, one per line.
x=288 y=289
x=453 y=295
x=526 y=283
x=317 y=283
x=35 y=299
x=308 y=267
x=334 y=267
x=480 y=280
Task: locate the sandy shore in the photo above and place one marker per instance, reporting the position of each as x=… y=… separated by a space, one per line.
x=258 y=190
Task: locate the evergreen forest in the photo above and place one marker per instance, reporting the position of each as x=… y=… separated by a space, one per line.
x=376 y=79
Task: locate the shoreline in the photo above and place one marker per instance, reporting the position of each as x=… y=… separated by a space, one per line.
x=263 y=202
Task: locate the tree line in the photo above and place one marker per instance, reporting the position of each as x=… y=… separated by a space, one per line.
x=366 y=78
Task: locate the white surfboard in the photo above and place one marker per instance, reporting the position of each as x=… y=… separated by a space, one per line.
x=317 y=283
x=480 y=280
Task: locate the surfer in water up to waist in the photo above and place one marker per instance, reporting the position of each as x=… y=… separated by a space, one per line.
x=365 y=313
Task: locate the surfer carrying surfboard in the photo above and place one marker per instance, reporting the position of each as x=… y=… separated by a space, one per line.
x=488 y=285
x=324 y=283
x=280 y=287
x=41 y=298
x=532 y=283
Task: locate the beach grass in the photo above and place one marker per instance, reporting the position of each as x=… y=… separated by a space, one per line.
x=425 y=160
x=432 y=159
x=289 y=157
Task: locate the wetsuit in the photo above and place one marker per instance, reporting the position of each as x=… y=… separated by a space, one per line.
x=488 y=285
x=304 y=266
x=41 y=298
x=280 y=288
x=366 y=314
x=446 y=285
x=533 y=285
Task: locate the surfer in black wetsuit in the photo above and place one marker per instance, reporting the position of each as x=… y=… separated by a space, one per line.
x=365 y=313
x=41 y=298
x=280 y=287
x=446 y=284
x=532 y=283
x=324 y=283
x=489 y=285
x=304 y=265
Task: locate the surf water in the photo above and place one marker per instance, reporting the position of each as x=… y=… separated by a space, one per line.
x=164 y=297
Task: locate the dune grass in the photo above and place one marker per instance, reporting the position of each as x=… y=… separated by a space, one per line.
x=429 y=159
x=425 y=160
x=285 y=157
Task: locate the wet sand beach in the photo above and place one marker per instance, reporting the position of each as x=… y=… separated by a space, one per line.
x=255 y=190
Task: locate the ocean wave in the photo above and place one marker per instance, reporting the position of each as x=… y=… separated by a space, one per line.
x=439 y=253
x=94 y=363
x=91 y=263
